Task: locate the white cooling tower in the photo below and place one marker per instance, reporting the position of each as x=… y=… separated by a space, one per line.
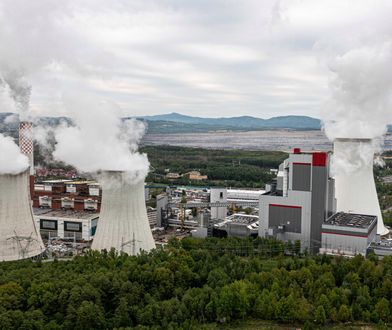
x=354 y=180
x=123 y=222
x=19 y=238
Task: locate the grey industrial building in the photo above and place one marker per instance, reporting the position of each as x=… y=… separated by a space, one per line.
x=302 y=198
x=348 y=234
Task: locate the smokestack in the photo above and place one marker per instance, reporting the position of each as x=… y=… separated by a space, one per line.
x=123 y=222
x=26 y=142
x=354 y=179
x=19 y=238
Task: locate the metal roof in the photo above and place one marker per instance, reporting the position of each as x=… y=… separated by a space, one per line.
x=351 y=220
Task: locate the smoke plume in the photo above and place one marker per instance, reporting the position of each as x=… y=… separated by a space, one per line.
x=43 y=39
x=100 y=140
x=12 y=161
x=360 y=104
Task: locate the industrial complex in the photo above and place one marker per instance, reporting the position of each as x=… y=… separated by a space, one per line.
x=306 y=203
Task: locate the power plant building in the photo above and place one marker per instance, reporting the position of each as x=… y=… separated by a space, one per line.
x=302 y=199
x=66 y=224
x=348 y=234
x=218 y=195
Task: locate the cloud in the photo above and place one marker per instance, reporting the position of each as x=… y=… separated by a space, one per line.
x=207 y=58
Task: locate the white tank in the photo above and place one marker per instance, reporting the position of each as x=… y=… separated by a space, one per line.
x=19 y=237
x=123 y=222
x=354 y=179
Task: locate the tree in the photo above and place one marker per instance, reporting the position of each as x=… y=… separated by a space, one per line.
x=233 y=301
x=344 y=314
x=319 y=315
x=89 y=316
x=11 y=296
x=382 y=310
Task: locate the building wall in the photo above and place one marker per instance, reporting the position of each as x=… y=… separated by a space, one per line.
x=299 y=200
x=319 y=201
x=301 y=176
x=63 y=227
x=303 y=206
x=346 y=240
x=218 y=195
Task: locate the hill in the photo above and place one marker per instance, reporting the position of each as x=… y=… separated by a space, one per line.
x=241 y=122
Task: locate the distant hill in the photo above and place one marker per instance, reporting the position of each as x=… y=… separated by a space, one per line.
x=248 y=122
x=178 y=123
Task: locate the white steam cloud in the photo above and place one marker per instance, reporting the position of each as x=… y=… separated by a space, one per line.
x=101 y=141
x=360 y=103
x=361 y=93
x=12 y=161
x=42 y=38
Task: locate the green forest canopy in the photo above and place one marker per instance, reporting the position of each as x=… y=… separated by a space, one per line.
x=192 y=283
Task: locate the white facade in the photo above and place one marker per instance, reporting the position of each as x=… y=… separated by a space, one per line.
x=123 y=222
x=218 y=195
x=58 y=223
x=244 y=195
x=354 y=180
x=19 y=238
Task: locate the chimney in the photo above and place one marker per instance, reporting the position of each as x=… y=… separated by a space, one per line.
x=26 y=146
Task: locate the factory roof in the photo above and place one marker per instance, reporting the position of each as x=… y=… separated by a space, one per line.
x=57 y=181
x=351 y=220
x=70 y=214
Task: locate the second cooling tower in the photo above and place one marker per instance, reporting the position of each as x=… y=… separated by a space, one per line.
x=123 y=222
x=354 y=180
x=19 y=238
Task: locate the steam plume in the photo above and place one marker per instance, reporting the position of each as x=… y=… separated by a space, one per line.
x=12 y=161
x=101 y=141
x=360 y=104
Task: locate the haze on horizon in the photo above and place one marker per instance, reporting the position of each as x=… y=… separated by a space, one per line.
x=217 y=58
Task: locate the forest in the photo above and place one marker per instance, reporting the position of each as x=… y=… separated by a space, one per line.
x=197 y=284
x=235 y=168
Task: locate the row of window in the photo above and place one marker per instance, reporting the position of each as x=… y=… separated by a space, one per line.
x=68 y=225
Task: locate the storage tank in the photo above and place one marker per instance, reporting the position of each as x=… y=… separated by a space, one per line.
x=19 y=238
x=354 y=180
x=123 y=222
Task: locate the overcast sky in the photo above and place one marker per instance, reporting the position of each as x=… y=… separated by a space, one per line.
x=198 y=57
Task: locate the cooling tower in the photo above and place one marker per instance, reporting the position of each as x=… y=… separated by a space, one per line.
x=354 y=180
x=19 y=238
x=123 y=222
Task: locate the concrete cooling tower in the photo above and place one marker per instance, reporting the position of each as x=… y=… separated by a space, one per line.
x=354 y=180
x=19 y=238
x=123 y=222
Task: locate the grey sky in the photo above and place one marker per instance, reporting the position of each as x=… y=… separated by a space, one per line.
x=202 y=57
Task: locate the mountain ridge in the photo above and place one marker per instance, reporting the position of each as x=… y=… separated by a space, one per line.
x=291 y=122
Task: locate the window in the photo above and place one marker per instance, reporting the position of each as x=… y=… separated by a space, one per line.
x=72 y=226
x=48 y=224
x=221 y=194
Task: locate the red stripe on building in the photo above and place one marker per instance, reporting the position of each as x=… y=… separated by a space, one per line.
x=298 y=163
x=340 y=234
x=288 y=206
x=319 y=159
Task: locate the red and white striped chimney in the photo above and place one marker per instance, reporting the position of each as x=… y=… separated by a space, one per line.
x=26 y=142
